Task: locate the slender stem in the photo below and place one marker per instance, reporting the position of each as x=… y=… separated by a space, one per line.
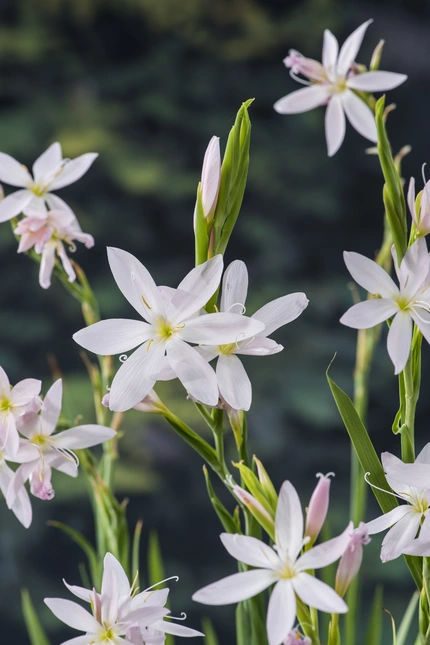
x=408 y=429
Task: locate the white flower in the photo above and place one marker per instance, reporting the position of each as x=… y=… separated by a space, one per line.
x=172 y=322
x=50 y=172
x=48 y=237
x=405 y=520
x=114 y=610
x=283 y=566
x=332 y=83
x=421 y=218
x=233 y=381
x=409 y=303
x=14 y=403
x=211 y=177
x=52 y=450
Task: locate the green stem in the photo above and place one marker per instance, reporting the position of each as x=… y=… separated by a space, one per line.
x=408 y=429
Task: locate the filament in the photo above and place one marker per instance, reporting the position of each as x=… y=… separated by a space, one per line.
x=330 y=474
x=123 y=358
x=238 y=304
x=175 y=578
x=389 y=492
x=298 y=79
x=183 y=616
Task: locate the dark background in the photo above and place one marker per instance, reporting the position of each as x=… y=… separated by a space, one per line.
x=146 y=83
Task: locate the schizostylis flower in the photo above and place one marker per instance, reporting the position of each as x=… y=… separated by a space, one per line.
x=48 y=237
x=318 y=506
x=335 y=83
x=172 y=322
x=21 y=506
x=282 y=566
x=350 y=562
x=410 y=302
x=13 y=403
x=233 y=381
x=50 y=172
x=211 y=176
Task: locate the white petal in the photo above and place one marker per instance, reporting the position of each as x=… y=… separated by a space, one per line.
x=57 y=204
x=399 y=536
x=281 y=612
x=329 y=53
x=289 y=521
x=176 y=630
x=48 y=163
x=317 y=594
x=250 y=551
x=14 y=204
x=72 y=614
x=369 y=313
x=25 y=391
x=73 y=170
x=399 y=340
x=335 y=125
x=113 y=568
x=4 y=383
x=196 y=289
x=234 y=288
x=422 y=322
x=136 y=377
x=280 y=312
x=9 y=437
x=80 y=640
x=21 y=506
x=79 y=592
x=211 y=173
x=51 y=407
x=350 y=47
x=389 y=462
x=113 y=336
x=259 y=347
x=302 y=100
x=324 y=554
x=359 y=115
x=195 y=374
x=47 y=265
x=370 y=275
x=376 y=81
x=417 y=474
x=209 y=352
x=411 y=203
x=414 y=268
x=36 y=207
x=388 y=519
x=424 y=456
x=13 y=173
x=136 y=284
x=84 y=436
x=235 y=588
x=233 y=382
x=17 y=482
x=220 y=329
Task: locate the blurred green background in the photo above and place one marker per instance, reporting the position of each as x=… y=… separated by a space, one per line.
x=146 y=83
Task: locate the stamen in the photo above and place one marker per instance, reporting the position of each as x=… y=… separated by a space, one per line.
x=238 y=304
x=330 y=474
x=298 y=79
x=175 y=578
x=183 y=616
x=382 y=489
x=423 y=175
x=123 y=358
x=145 y=302
x=238 y=339
x=420 y=305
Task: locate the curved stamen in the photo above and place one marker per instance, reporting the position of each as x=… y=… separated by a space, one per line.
x=389 y=492
x=183 y=616
x=238 y=304
x=298 y=79
x=239 y=339
x=330 y=474
x=175 y=578
x=123 y=358
x=420 y=305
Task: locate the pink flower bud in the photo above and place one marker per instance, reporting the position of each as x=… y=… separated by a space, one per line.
x=350 y=562
x=211 y=176
x=318 y=506
x=305 y=66
x=151 y=403
x=256 y=508
x=40 y=483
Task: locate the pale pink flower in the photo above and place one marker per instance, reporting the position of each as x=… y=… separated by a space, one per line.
x=410 y=302
x=282 y=566
x=422 y=218
x=318 y=506
x=173 y=321
x=233 y=381
x=50 y=172
x=14 y=402
x=48 y=237
x=350 y=562
x=332 y=83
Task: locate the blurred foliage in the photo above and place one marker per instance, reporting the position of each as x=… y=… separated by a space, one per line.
x=146 y=83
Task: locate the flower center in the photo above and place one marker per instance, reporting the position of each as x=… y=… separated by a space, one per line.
x=40 y=440
x=107 y=635
x=5 y=405
x=339 y=85
x=288 y=570
x=420 y=503
x=227 y=349
x=38 y=190
x=165 y=330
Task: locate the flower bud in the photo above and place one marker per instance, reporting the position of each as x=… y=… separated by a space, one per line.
x=318 y=506
x=151 y=403
x=211 y=176
x=305 y=66
x=376 y=56
x=256 y=509
x=266 y=484
x=350 y=562
x=40 y=483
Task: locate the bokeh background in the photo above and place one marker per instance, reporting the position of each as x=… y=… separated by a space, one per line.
x=146 y=83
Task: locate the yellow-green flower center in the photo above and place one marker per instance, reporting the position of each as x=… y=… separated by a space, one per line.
x=227 y=349
x=38 y=190
x=5 y=404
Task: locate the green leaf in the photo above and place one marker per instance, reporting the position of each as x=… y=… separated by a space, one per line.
x=86 y=548
x=209 y=632
x=405 y=625
x=369 y=462
x=35 y=630
x=374 y=627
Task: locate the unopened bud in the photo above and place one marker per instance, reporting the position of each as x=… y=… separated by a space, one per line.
x=376 y=56
x=266 y=484
x=256 y=509
x=318 y=506
x=211 y=176
x=350 y=562
x=151 y=403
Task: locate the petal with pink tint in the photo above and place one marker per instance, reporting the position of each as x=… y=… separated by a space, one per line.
x=335 y=125
x=359 y=115
x=376 y=81
x=350 y=47
x=302 y=100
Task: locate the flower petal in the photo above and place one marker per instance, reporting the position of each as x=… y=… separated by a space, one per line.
x=281 y=612
x=388 y=519
x=370 y=275
x=376 y=81
x=211 y=172
x=233 y=382
x=220 y=329
x=72 y=614
x=399 y=340
x=113 y=569
x=280 y=312
x=235 y=588
x=369 y=313
x=317 y=594
x=399 y=536
x=176 y=630
x=359 y=115
x=289 y=521
x=350 y=47
x=250 y=551
x=47 y=265
x=136 y=377
x=414 y=268
x=57 y=204
x=195 y=374
x=79 y=592
x=234 y=288
x=422 y=322
x=13 y=173
x=335 y=125
x=324 y=554
x=259 y=346
x=80 y=640
x=209 y=352
x=48 y=163
x=73 y=170
x=4 y=383
x=25 y=391
x=424 y=456
x=196 y=289
x=51 y=408
x=84 y=436
x=136 y=284
x=417 y=474
x=113 y=336
x=21 y=506
x=302 y=100
x=14 y=204
x=329 y=53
